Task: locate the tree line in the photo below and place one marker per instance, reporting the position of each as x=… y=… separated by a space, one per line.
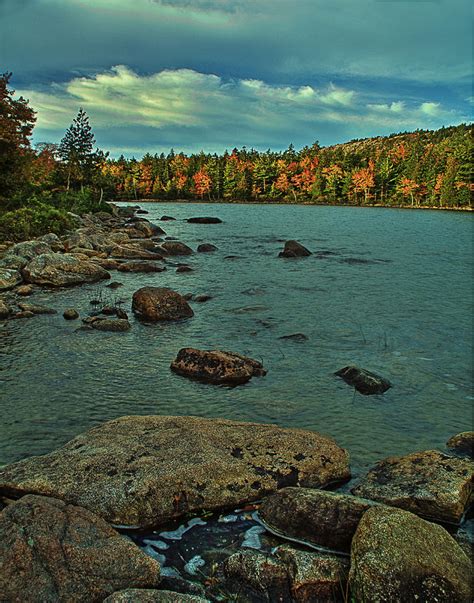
x=47 y=183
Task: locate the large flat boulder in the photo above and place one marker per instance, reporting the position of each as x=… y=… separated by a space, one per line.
x=153 y=304
x=144 y=470
x=325 y=520
x=62 y=269
x=176 y=248
x=398 y=557
x=216 y=366
x=430 y=483
x=51 y=551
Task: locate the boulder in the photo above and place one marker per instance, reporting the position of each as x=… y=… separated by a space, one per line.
x=24 y=290
x=167 y=218
x=58 y=270
x=51 y=551
x=314 y=576
x=206 y=247
x=5 y=310
x=216 y=366
x=36 y=309
x=204 y=220
x=202 y=298
x=364 y=381
x=23 y=314
x=140 y=266
x=29 y=249
x=293 y=249
x=53 y=241
x=429 y=483
x=153 y=304
x=298 y=337
x=12 y=262
x=398 y=557
x=70 y=314
x=145 y=470
x=131 y=252
x=134 y=595
x=115 y=325
x=257 y=576
x=114 y=285
x=176 y=248
x=141 y=228
x=325 y=520
x=107 y=263
x=463 y=443
x=9 y=278
x=184 y=268
x=78 y=240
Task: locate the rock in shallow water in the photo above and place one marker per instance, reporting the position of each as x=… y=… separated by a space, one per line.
x=323 y=519
x=293 y=249
x=364 y=381
x=59 y=270
x=429 y=483
x=216 y=366
x=176 y=248
x=153 y=304
x=398 y=557
x=50 y=552
x=204 y=220
x=142 y=471
x=462 y=443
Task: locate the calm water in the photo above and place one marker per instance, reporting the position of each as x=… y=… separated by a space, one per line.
x=403 y=310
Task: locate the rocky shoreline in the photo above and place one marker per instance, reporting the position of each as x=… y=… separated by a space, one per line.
x=62 y=514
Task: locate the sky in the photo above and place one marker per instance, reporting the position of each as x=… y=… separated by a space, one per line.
x=217 y=74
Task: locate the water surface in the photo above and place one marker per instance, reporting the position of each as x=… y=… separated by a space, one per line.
x=389 y=290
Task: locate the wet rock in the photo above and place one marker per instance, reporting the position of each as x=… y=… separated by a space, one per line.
x=119 y=313
x=140 y=228
x=142 y=211
x=130 y=252
x=51 y=551
x=431 y=484
x=206 y=247
x=153 y=304
x=326 y=520
x=298 y=337
x=314 y=576
x=167 y=218
x=176 y=248
x=140 y=266
x=188 y=296
x=23 y=314
x=145 y=470
x=4 y=310
x=364 y=381
x=58 y=270
x=134 y=595
x=257 y=577
x=114 y=285
x=463 y=443
x=396 y=556
x=70 y=314
x=24 y=290
x=9 y=279
x=111 y=324
x=216 y=366
x=202 y=298
x=204 y=220
x=181 y=585
x=184 y=268
x=107 y=263
x=293 y=249
x=36 y=309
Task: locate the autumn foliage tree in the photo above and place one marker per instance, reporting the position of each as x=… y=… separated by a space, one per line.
x=17 y=120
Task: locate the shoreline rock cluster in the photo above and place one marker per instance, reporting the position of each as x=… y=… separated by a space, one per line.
x=61 y=511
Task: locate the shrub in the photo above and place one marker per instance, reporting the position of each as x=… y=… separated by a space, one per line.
x=33 y=221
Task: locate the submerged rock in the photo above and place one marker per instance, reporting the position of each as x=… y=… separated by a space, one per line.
x=145 y=470
x=206 y=248
x=202 y=298
x=5 y=310
x=314 y=576
x=298 y=337
x=396 y=556
x=24 y=290
x=431 y=484
x=9 y=278
x=58 y=270
x=51 y=551
x=293 y=249
x=111 y=324
x=216 y=366
x=184 y=268
x=364 y=381
x=462 y=442
x=326 y=520
x=36 y=309
x=153 y=304
x=176 y=248
x=167 y=218
x=204 y=220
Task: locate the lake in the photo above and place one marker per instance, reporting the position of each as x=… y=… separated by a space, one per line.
x=389 y=290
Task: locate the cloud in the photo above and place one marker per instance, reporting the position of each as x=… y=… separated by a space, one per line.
x=190 y=110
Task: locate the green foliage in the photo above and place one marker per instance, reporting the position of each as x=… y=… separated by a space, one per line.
x=33 y=221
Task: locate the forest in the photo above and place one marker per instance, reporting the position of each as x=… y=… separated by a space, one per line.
x=41 y=186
